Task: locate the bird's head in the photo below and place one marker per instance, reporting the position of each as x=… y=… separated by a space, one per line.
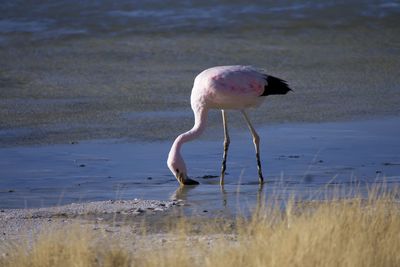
x=178 y=168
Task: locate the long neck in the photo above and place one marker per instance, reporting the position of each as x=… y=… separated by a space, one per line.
x=200 y=121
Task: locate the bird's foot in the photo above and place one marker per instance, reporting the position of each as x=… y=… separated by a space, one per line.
x=221 y=179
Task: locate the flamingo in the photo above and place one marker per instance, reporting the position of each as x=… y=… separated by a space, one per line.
x=225 y=88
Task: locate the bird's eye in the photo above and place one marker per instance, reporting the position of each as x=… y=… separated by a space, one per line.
x=177 y=170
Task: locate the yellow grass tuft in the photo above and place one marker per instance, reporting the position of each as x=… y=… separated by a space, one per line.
x=348 y=232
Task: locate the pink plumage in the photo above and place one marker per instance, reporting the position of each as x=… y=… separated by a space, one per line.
x=224 y=87
x=229 y=87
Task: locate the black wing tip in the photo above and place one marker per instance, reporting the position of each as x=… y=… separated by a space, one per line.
x=275 y=86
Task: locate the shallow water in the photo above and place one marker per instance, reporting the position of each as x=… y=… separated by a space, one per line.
x=305 y=160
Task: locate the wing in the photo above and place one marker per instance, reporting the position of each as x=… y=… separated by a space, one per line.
x=237 y=80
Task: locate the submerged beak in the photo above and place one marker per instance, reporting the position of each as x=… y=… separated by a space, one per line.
x=185 y=180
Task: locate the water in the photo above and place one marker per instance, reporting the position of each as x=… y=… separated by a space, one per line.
x=304 y=160
x=55 y=19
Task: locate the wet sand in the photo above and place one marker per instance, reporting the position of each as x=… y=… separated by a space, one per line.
x=91 y=88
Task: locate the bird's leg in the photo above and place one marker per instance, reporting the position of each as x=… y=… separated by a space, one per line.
x=256 y=141
x=226 y=146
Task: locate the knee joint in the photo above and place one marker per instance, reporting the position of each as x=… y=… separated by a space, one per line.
x=256 y=138
x=226 y=143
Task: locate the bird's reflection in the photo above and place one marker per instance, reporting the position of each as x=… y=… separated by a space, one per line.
x=224 y=196
x=183 y=193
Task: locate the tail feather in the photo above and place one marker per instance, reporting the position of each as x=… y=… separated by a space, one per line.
x=275 y=86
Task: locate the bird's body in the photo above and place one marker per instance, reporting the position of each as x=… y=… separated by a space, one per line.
x=224 y=87
x=228 y=87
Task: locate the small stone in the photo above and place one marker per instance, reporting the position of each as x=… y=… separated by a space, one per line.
x=209 y=176
x=205 y=210
x=82 y=165
x=139 y=210
x=149 y=178
x=11 y=191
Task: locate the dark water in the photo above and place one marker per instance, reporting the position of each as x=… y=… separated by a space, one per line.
x=305 y=160
x=54 y=19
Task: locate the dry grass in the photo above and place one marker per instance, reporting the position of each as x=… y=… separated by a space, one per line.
x=350 y=232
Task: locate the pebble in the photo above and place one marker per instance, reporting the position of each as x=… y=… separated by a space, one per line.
x=140 y=210
x=209 y=176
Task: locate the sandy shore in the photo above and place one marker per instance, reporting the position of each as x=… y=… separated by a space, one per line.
x=122 y=218
x=132 y=224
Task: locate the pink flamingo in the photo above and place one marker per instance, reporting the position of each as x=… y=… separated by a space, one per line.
x=224 y=87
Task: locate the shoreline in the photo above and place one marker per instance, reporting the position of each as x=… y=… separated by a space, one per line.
x=107 y=216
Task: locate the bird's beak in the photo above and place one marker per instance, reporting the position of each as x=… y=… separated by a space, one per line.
x=185 y=180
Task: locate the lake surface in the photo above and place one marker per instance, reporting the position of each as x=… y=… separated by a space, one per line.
x=302 y=160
